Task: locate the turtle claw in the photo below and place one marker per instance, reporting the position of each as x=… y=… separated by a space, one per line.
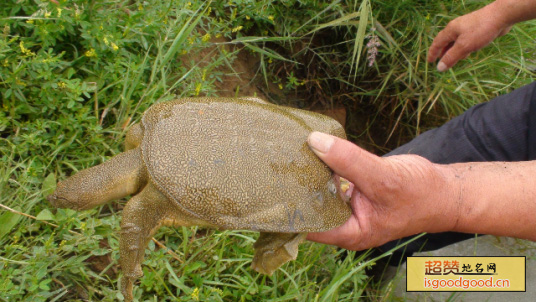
x=275 y=249
x=126 y=288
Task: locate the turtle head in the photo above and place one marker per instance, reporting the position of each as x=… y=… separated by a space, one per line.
x=84 y=190
x=338 y=187
x=69 y=194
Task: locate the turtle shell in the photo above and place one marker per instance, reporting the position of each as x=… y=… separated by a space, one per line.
x=243 y=164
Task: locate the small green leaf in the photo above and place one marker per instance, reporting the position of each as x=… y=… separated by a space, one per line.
x=194 y=266
x=44 y=284
x=7 y=221
x=45 y=215
x=49 y=184
x=100 y=252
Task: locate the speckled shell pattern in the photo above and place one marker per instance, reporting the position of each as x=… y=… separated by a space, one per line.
x=242 y=164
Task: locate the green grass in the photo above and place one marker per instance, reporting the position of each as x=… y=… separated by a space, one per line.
x=74 y=76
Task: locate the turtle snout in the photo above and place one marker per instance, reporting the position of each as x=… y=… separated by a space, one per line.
x=57 y=201
x=52 y=199
x=63 y=197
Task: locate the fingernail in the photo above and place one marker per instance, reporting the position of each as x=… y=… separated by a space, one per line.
x=441 y=67
x=320 y=142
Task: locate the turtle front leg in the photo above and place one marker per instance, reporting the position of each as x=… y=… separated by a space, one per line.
x=275 y=249
x=142 y=216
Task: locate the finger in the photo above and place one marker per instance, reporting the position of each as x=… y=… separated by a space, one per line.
x=452 y=56
x=441 y=42
x=343 y=236
x=348 y=193
x=348 y=160
x=444 y=50
x=504 y=31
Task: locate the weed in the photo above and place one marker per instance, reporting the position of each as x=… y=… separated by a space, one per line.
x=74 y=75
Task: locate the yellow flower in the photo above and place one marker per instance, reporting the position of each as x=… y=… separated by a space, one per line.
x=271 y=18
x=270 y=61
x=218 y=35
x=248 y=17
x=59 y=11
x=197 y=89
x=206 y=38
x=90 y=53
x=29 y=21
x=195 y=294
x=114 y=46
x=238 y=28
x=62 y=85
x=47 y=14
x=204 y=76
x=280 y=86
x=25 y=50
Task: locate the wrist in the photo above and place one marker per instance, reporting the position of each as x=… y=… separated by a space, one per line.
x=449 y=199
x=509 y=12
x=499 y=13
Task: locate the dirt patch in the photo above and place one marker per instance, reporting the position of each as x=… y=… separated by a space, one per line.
x=237 y=76
x=101 y=264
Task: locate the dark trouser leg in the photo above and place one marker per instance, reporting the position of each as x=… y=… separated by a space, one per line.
x=503 y=129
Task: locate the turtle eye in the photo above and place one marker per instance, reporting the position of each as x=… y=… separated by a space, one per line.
x=332 y=188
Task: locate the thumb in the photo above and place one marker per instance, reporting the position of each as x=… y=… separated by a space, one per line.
x=348 y=160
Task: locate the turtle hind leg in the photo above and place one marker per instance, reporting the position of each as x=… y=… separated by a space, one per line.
x=116 y=178
x=275 y=249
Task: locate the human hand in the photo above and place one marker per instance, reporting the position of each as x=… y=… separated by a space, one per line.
x=393 y=197
x=467 y=34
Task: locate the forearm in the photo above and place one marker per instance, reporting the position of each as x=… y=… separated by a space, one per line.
x=513 y=11
x=496 y=198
